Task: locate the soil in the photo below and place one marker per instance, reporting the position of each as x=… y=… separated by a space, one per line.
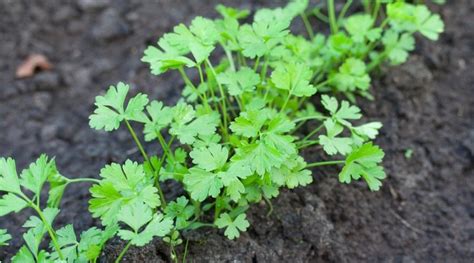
x=424 y=212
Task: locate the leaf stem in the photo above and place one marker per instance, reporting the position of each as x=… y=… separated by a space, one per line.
x=124 y=250
x=332 y=17
x=83 y=180
x=147 y=159
x=307 y=25
x=223 y=101
x=51 y=232
x=315 y=164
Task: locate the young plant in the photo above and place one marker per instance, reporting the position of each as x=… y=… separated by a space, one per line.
x=23 y=192
x=236 y=135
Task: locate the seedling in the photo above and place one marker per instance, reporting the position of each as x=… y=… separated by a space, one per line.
x=236 y=135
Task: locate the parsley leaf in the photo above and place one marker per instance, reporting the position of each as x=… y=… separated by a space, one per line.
x=4 y=237
x=121 y=185
x=397 y=46
x=295 y=78
x=187 y=126
x=351 y=75
x=110 y=109
x=360 y=28
x=161 y=116
x=210 y=158
x=232 y=227
x=239 y=82
x=137 y=215
x=181 y=211
x=201 y=184
x=364 y=162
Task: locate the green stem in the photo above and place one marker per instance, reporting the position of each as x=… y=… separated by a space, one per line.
x=325 y=163
x=255 y=67
x=228 y=53
x=307 y=25
x=313 y=133
x=190 y=84
x=343 y=12
x=308 y=143
x=223 y=98
x=147 y=159
x=376 y=10
x=270 y=206
x=332 y=17
x=137 y=141
x=51 y=232
x=185 y=251
x=83 y=180
x=124 y=250
x=316 y=117
x=166 y=150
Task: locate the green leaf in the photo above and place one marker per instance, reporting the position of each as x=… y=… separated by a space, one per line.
x=161 y=117
x=231 y=179
x=181 y=211
x=110 y=111
x=8 y=176
x=364 y=162
x=334 y=145
x=121 y=185
x=232 y=227
x=201 y=184
x=292 y=174
x=161 y=61
x=4 y=237
x=187 y=126
x=240 y=81
x=296 y=7
x=260 y=157
x=11 y=203
x=137 y=215
x=267 y=30
x=210 y=158
x=295 y=78
x=250 y=122
x=34 y=177
x=397 y=46
x=351 y=75
x=360 y=28
x=23 y=255
x=411 y=18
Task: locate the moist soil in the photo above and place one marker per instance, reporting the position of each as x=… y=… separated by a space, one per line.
x=423 y=213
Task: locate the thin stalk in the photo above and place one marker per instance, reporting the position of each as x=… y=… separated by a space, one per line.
x=51 y=232
x=137 y=141
x=332 y=17
x=217 y=209
x=313 y=133
x=185 y=251
x=83 y=180
x=315 y=164
x=270 y=206
x=307 y=25
x=309 y=143
x=124 y=250
x=344 y=10
x=166 y=150
x=375 y=12
x=147 y=159
x=223 y=101
x=255 y=67
x=318 y=117
x=228 y=53
x=190 y=84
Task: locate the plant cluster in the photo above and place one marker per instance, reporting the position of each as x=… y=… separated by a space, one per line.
x=236 y=135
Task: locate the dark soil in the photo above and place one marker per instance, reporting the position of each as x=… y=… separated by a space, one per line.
x=424 y=212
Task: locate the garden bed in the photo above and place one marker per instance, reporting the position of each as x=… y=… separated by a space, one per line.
x=424 y=212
